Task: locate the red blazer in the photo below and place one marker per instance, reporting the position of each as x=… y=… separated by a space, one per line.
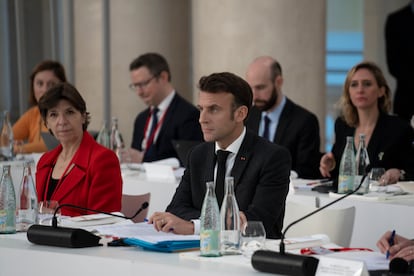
x=94 y=182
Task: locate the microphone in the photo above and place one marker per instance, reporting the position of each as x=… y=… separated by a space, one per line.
x=292 y=264
x=66 y=236
x=400 y=266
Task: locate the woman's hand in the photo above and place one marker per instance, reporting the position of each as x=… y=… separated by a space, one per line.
x=402 y=248
x=327 y=164
x=391 y=176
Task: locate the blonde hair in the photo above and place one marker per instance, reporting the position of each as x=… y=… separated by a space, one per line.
x=348 y=110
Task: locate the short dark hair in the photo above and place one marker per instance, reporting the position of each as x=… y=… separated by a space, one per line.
x=155 y=63
x=275 y=70
x=229 y=83
x=46 y=65
x=63 y=91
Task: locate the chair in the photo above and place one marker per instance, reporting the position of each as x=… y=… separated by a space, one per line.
x=336 y=223
x=131 y=204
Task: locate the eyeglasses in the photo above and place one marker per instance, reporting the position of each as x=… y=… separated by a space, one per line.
x=134 y=86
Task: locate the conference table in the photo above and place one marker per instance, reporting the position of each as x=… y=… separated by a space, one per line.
x=372 y=218
x=19 y=257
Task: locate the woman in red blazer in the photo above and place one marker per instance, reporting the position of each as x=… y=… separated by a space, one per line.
x=79 y=171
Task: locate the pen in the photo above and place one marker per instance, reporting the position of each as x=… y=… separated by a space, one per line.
x=323 y=181
x=391 y=242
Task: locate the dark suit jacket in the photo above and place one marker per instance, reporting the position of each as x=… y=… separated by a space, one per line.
x=390 y=145
x=298 y=131
x=94 y=182
x=180 y=123
x=399 y=42
x=261 y=178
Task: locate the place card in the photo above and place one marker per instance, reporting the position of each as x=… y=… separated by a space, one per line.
x=341 y=267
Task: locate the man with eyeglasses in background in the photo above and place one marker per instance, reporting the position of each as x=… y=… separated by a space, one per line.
x=168 y=116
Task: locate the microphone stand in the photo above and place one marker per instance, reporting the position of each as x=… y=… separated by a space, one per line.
x=292 y=264
x=54 y=218
x=66 y=236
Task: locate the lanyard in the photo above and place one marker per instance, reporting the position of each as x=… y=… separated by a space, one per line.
x=149 y=140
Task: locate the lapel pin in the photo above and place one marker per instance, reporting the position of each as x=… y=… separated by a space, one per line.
x=242 y=158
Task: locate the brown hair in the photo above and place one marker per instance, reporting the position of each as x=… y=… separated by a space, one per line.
x=47 y=65
x=63 y=91
x=348 y=110
x=155 y=63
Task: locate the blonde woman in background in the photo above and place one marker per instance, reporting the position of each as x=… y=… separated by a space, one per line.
x=365 y=108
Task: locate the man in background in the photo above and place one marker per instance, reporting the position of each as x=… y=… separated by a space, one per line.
x=279 y=120
x=168 y=115
x=399 y=44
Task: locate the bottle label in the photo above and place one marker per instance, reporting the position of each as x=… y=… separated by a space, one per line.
x=345 y=183
x=210 y=243
x=26 y=216
x=7 y=221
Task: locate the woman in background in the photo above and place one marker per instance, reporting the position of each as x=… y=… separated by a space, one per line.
x=29 y=126
x=365 y=105
x=79 y=171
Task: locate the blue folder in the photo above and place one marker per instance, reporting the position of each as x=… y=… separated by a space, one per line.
x=165 y=246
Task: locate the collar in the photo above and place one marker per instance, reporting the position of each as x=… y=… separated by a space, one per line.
x=165 y=103
x=80 y=158
x=274 y=115
x=235 y=146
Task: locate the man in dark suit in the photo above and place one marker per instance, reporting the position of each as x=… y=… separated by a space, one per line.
x=168 y=116
x=278 y=119
x=399 y=42
x=260 y=168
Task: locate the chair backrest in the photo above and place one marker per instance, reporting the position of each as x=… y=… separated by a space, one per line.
x=338 y=224
x=131 y=204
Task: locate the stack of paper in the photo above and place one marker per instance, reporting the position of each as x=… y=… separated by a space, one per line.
x=144 y=235
x=90 y=220
x=298 y=242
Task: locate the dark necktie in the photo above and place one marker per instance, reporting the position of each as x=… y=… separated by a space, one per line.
x=266 y=133
x=150 y=153
x=221 y=174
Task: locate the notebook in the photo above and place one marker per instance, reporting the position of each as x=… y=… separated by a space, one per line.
x=50 y=141
x=182 y=148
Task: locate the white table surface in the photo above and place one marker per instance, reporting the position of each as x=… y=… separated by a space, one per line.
x=19 y=257
x=372 y=218
x=135 y=182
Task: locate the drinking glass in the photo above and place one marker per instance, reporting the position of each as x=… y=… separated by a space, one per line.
x=46 y=211
x=253 y=238
x=18 y=146
x=375 y=179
